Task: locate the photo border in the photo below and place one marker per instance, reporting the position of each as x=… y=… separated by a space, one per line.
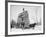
x=6 y=18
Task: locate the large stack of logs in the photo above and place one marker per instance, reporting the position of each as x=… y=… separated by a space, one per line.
x=23 y=19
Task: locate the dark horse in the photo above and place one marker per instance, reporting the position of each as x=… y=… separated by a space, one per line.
x=32 y=25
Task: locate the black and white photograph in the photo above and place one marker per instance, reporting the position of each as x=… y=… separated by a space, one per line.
x=25 y=18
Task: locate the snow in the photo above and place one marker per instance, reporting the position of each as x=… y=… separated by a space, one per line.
x=37 y=29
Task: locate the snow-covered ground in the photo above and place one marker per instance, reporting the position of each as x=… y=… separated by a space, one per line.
x=37 y=29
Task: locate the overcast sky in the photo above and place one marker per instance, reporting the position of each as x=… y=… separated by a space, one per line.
x=32 y=10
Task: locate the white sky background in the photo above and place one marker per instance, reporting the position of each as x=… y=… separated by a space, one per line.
x=32 y=10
